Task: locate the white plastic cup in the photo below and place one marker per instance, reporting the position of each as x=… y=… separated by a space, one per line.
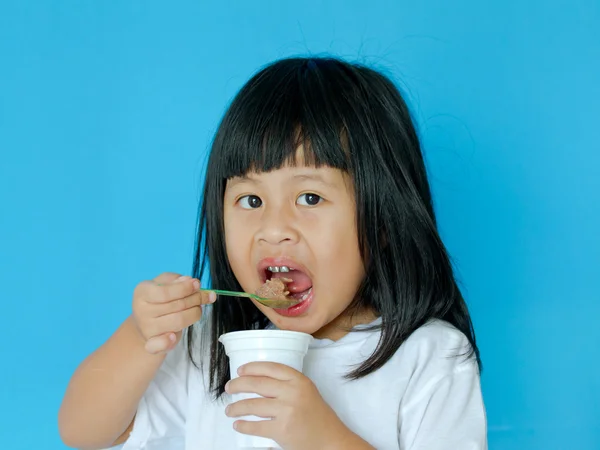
x=280 y=346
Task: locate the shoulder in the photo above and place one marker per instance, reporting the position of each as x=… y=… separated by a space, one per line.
x=434 y=351
x=437 y=339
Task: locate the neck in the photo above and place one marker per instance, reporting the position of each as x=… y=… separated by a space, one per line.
x=341 y=325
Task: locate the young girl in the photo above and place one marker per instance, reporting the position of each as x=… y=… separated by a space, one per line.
x=316 y=175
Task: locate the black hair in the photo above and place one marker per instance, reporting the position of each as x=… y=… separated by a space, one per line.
x=353 y=118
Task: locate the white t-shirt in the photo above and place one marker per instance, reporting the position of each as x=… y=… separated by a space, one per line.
x=426 y=397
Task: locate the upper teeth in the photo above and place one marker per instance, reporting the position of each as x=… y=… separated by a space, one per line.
x=279 y=269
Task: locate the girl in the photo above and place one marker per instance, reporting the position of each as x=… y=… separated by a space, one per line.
x=315 y=174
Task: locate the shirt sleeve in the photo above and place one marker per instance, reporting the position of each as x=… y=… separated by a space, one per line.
x=445 y=410
x=161 y=415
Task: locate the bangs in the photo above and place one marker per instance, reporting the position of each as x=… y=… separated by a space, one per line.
x=292 y=103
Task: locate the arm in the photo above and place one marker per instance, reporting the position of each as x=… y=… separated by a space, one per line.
x=103 y=395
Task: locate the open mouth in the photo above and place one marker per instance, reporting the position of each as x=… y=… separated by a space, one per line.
x=298 y=282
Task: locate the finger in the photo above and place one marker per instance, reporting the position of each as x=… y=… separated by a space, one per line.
x=150 y=289
x=265 y=386
x=175 y=322
x=160 y=344
x=181 y=304
x=262 y=428
x=180 y=288
x=269 y=369
x=261 y=407
x=166 y=277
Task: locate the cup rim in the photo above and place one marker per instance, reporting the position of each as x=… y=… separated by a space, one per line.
x=277 y=334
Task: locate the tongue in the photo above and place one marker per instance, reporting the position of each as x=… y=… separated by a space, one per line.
x=300 y=281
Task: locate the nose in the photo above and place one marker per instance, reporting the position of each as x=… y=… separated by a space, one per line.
x=277 y=226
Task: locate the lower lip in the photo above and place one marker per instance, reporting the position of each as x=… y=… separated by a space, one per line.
x=298 y=309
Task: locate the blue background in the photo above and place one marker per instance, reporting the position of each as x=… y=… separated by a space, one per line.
x=107 y=109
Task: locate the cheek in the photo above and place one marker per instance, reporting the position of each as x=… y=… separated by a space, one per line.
x=340 y=259
x=237 y=244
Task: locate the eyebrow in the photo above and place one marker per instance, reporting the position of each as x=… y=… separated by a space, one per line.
x=313 y=177
x=240 y=180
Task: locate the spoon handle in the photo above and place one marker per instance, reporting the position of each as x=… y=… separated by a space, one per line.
x=269 y=302
x=233 y=294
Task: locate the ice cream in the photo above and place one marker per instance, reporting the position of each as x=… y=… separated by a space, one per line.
x=275 y=288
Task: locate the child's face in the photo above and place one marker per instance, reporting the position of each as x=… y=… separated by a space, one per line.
x=303 y=218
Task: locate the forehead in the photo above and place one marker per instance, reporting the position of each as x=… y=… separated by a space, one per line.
x=300 y=165
x=293 y=174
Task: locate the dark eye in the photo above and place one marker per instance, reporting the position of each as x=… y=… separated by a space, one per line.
x=309 y=199
x=250 y=202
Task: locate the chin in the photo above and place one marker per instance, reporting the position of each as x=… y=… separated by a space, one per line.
x=304 y=324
